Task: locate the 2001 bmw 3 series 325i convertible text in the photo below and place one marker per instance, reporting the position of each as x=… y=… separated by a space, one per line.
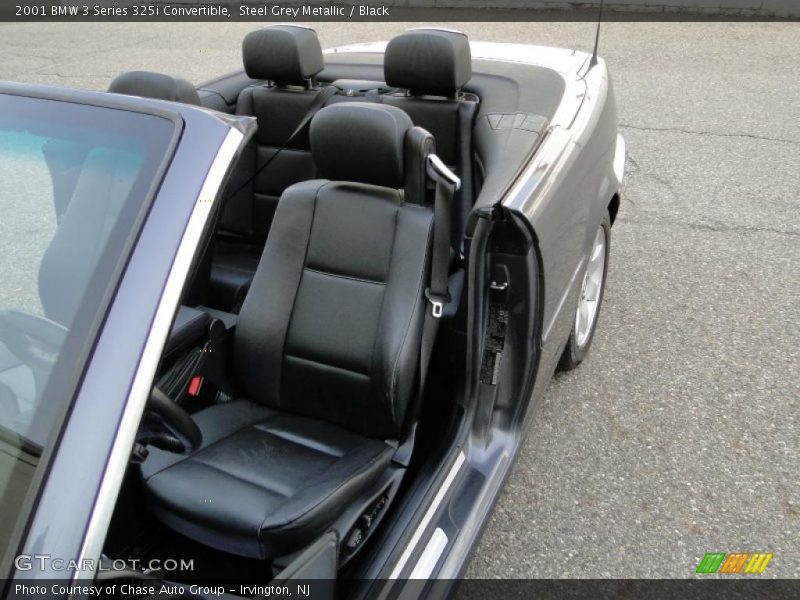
x=290 y=324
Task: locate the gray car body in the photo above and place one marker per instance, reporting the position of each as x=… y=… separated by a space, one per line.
x=559 y=198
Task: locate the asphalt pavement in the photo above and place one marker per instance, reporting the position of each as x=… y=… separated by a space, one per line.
x=678 y=435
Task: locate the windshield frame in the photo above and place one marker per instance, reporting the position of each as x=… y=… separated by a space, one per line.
x=70 y=386
x=71 y=520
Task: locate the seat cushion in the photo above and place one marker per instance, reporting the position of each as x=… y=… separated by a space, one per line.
x=263 y=483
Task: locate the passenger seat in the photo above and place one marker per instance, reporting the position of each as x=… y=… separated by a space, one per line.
x=431 y=68
x=286 y=59
x=326 y=355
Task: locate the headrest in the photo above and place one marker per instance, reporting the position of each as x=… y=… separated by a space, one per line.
x=361 y=142
x=436 y=61
x=282 y=53
x=154 y=85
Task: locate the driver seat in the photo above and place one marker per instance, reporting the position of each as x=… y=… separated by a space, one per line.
x=326 y=350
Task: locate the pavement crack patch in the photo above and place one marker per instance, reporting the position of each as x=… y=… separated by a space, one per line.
x=638 y=170
x=718 y=227
x=710 y=133
x=722 y=228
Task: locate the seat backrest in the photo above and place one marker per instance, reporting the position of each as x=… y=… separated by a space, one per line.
x=287 y=58
x=331 y=326
x=431 y=67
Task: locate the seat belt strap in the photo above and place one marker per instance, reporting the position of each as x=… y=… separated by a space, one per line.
x=437 y=293
x=319 y=101
x=447 y=184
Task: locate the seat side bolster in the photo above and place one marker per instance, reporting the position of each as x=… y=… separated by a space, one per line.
x=419 y=144
x=244 y=103
x=403 y=311
x=314 y=507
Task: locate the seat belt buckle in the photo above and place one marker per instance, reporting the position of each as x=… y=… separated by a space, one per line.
x=195 y=385
x=438 y=302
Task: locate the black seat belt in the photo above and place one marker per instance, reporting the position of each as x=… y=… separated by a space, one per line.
x=319 y=101
x=437 y=294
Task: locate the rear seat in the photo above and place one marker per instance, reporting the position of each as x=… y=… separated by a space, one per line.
x=431 y=67
x=287 y=59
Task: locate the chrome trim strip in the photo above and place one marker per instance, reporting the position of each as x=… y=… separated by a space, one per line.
x=137 y=398
x=430 y=513
x=430 y=556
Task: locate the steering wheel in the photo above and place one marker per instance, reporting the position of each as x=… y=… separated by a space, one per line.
x=36 y=342
x=168 y=426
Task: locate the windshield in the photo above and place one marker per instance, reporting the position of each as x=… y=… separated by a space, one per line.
x=73 y=183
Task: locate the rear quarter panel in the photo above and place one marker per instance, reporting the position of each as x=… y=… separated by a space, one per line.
x=563 y=196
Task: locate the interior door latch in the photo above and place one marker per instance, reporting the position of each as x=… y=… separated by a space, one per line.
x=498 y=283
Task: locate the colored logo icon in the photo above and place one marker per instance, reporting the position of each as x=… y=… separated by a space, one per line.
x=742 y=563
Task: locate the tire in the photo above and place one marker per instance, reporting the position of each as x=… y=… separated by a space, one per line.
x=585 y=323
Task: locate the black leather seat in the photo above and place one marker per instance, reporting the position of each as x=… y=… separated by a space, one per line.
x=286 y=58
x=431 y=66
x=326 y=350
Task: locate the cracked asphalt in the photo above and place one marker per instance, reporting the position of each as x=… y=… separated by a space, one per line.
x=678 y=435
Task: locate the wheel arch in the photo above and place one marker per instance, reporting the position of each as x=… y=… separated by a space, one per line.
x=613 y=207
